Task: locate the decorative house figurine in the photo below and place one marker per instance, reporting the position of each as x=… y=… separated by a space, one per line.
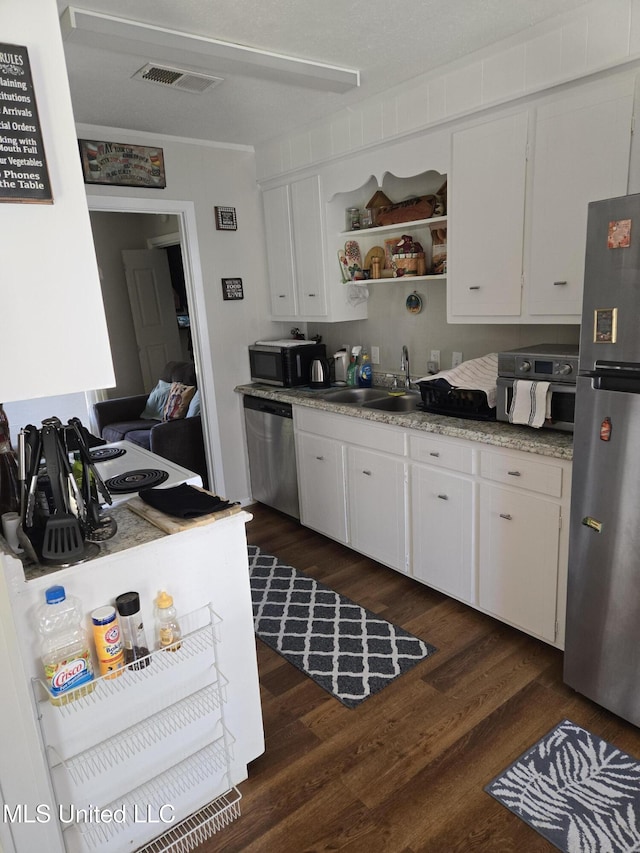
x=377 y=201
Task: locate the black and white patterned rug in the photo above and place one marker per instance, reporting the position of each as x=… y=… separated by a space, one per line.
x=347 y=650
x=575 y=789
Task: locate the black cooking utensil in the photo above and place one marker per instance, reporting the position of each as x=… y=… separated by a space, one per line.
x=33 y=452
x=62 y=541
x=87 y=461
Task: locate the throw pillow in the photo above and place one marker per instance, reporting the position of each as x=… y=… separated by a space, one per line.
x=194 y=405
x=156 y=401
x=178 y=401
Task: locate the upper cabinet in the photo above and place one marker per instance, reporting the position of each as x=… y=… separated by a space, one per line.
x=520 y=189
x=487 y=208
x=293 y=226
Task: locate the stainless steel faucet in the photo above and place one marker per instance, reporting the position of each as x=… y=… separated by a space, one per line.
x=404 y=364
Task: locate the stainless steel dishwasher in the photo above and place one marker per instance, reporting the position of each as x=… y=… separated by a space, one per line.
x=272 y=454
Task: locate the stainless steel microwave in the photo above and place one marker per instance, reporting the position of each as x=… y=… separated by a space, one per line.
x=285 y=363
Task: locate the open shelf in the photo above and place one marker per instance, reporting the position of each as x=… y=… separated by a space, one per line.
x=398 y=226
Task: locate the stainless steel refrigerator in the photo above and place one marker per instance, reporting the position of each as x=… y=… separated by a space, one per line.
x=602 y=649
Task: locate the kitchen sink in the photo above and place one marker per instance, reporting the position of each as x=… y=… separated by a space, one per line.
x=354 y=395
x=406 y=403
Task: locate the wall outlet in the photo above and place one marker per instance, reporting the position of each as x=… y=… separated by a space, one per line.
x=456 y=359
x=375 y=355
x=435 y=357
x=432 y=367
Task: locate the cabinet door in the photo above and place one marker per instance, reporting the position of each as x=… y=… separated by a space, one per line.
x=306 y=216
x=376 y=487
x=321 y=484
x=518 y=571
x=486 y=214
x=277 y=216
x=581 y=154
x=442 y=524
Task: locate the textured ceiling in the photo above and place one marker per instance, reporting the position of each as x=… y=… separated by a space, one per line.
x=388 y=41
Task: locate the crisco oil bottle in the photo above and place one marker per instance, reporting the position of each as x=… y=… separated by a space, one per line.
x=65 y=651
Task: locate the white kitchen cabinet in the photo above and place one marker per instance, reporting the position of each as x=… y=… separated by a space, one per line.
x=518 y=566
x=520 y=188
x=486 y=209
x=163 y=743
x=322 y=485
x=580 y=154
x=376 y=499
x=442 y=516
x=295 y=250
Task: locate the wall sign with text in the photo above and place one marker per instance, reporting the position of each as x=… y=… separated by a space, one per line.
x=23 y=166
x=232 y=288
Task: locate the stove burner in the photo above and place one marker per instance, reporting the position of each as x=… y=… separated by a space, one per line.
x=101 y=454
x=133 y=481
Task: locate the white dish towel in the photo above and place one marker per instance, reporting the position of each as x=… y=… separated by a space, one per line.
x=530 y=404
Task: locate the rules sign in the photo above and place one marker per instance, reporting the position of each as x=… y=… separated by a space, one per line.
x=23 y=165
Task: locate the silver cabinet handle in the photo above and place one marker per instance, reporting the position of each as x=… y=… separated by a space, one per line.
x=514 y=473
x=320 y=458
x=444 y=497
x=559 y=283
x=312 y=294
x=368 y=473
x=282 y=296
x=506 y=516
x=475 y=287
x=434 y=453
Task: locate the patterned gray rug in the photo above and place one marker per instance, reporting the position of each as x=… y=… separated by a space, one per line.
x=347 y=650
x=577 y=790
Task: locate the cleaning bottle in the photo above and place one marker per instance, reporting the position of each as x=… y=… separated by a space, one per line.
x=351 y=371
x=168 y=633
x=365 y=375
x=64 y=647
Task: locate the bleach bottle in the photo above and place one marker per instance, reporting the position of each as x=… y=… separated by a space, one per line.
x=64 y=647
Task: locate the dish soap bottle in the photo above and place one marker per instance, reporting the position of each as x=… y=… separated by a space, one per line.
x=168 y=633
x=365 y=375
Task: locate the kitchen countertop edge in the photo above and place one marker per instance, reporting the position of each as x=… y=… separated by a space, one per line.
x=545 y=442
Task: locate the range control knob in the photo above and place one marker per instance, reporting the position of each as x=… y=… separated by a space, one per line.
x=564 y=369
x=525 y=366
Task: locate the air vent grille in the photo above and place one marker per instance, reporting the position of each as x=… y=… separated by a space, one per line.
x=177 y=78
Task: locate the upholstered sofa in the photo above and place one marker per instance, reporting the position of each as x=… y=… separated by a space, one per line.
x=139 y=419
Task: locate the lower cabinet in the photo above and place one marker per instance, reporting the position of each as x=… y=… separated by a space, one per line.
x=442 y=523
x=376 y=493
x=321 y=485
x=480 y=523
x=519 y=537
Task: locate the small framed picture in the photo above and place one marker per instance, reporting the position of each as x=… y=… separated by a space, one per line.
x=605 y=326
x=232 y=288
x=226 y=219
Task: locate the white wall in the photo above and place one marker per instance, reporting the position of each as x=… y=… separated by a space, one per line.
x=210 y=175
x=49 y=275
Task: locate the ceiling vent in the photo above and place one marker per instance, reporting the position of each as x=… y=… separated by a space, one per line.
x=176 y=78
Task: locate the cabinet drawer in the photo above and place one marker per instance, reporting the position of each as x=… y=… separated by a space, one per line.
x=533 y=474
x=443 y=454
x=357 y=431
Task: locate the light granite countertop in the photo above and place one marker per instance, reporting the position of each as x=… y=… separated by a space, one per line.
x=545 y=442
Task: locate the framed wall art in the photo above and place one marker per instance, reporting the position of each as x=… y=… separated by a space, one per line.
x=226 y=219
x=232 y=289
x=122 y=165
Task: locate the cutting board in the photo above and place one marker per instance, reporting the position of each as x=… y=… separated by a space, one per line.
x=171 y=524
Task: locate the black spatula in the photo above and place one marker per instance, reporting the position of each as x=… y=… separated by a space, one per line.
x=63 y=541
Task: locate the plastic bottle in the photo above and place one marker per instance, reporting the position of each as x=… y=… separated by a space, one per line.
x=351 y=371
x=168 y=633
x=108 y=641
x=136 y=648
x=365 y=375
x=65 y=651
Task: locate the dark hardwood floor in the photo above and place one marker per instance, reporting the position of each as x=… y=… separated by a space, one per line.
x=405 y=771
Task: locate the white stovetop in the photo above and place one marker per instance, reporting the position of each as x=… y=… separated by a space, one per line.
x=136 y=458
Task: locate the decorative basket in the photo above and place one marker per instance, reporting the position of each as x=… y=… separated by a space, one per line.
x=412 y=264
